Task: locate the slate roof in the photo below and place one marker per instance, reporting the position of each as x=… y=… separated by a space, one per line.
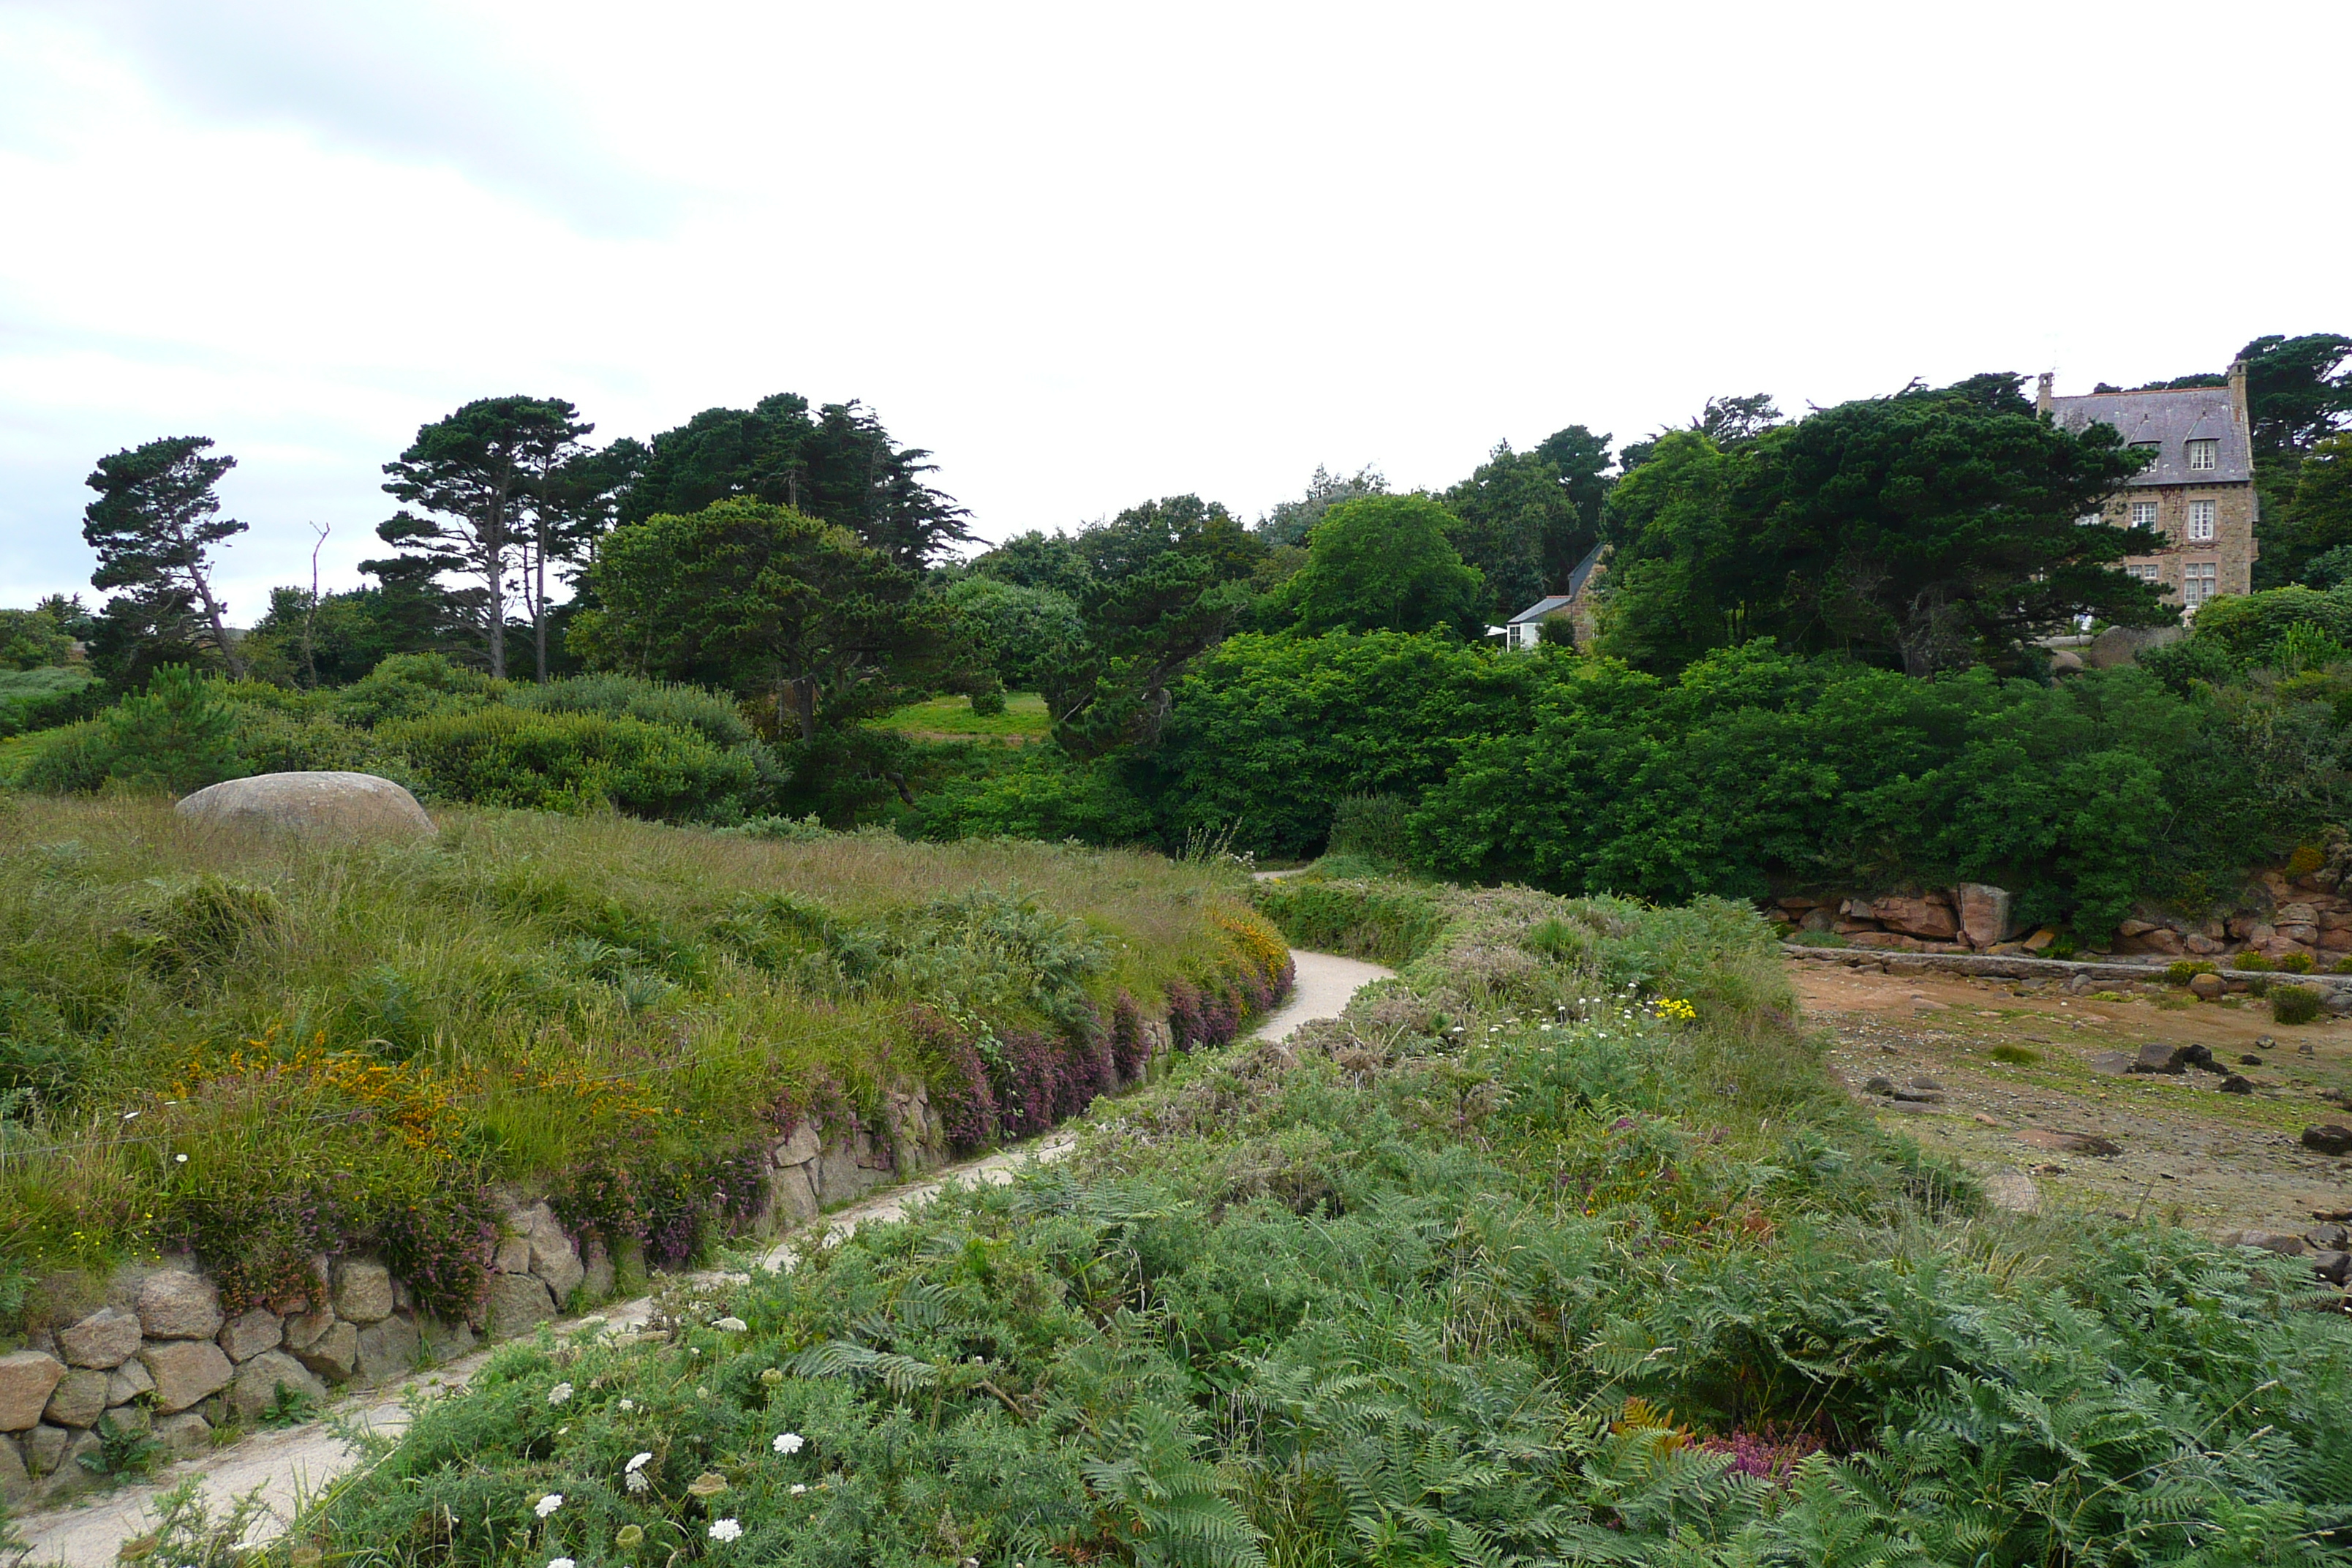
x=2170 y=420
x=1553 y=603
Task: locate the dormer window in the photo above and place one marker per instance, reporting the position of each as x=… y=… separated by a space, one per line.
x=2204 y=455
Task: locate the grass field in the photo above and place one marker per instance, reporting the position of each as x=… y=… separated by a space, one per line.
x=262 y=1049
x=1565 y=1246
x=1023 y=721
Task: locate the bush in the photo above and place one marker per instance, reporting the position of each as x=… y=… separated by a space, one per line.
x=572 y=763
x=2296 y=964
x=176 y=737
x=2181 y=970
x=2257 y=962
x=2295 y=1004
x=1371 y=825
x=47 y=698
x=989 y=703
x=2016 y=1055
x=412 y=685
x=712 y=715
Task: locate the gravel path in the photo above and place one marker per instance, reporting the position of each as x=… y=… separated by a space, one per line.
x=293 y=1466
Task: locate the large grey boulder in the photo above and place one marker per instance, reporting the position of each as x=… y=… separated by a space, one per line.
x=80 y=1398
x=517 y=1303
x=388 y=1348
x=350 y=804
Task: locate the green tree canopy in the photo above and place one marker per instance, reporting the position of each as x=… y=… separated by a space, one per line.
x=1384 y=563
x=839 y=466
x=766 y=601
x=1521 y=521
x=1290 y=521
x=1024 y=632
x=1931 y=530
x=474 y=479
x=153 y=527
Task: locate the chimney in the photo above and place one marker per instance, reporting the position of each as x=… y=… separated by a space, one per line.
x=2042 y=397
x=2238 y=390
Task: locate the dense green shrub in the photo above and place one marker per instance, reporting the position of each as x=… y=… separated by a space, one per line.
x=46 y=698
x=2295 y=1004
x=1041 y=793
x=178 y=735
x=1374 y=827
x=709 y=714
x=1273 y=733
x=411 y=686
x=573 y=762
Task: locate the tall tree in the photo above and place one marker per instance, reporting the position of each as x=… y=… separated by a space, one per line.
x=568 y=505
x=1384 y=563
x=839 y=466
x=1933 y=529
x=1157 y=585
x=1728 y=422
x=153 y=525
x=470 y=475
x=1524 y=523
x=1290 y=521
x=768 y=601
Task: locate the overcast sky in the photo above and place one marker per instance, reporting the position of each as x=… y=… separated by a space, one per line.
x=1093 y=254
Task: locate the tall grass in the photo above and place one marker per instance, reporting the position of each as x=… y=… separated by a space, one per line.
x=197 y=1024
x=1561 y=1249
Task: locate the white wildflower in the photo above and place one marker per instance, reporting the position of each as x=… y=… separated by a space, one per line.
x=559 y=1393
x=725 y=1530
x=550 y=1503
x=561 y=1563
x=798 y=1488
x=637 y=1481
x=788 y=1442
x=636 y=1464
x=730 y=1325
x=629 y=1405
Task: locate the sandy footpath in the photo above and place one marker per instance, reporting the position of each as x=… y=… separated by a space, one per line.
x=291 y=1465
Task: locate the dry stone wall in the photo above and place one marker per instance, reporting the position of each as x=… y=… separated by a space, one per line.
x=161 y=1358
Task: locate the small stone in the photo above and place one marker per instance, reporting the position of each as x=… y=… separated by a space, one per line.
x=307 y=1330
x=247 y=1335
x=185 y=1371
x=2305 y=1049
x=128 y=1382
x=184 y=1437
x=260 y=1379
x=1927 y=1083
x=15 y=1481
x=2249 y=1060
x=107 y=1338
x=2235 y=1084
x=2334 y=1267
x=2328 y=1139
x=2264 y=1042
x=2329 y=1236
x=2280 y=1242
x=44 y=1446
x=517 y=1304
x=388 y=1348
x=2207 y=987
x=177 y=1306
x=362 y=1290
x=27 y=1378
x=554 y=1259
x=513 y=1256
x=1878 y=1085
x=2159 y=1059
x=80 y=1398
x=2069 y=1142
x=134 y=1418
x=334 y=1354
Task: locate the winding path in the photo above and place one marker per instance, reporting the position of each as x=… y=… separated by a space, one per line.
x=293 y=1466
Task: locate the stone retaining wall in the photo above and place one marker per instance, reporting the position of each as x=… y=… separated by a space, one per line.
x=161 y=1357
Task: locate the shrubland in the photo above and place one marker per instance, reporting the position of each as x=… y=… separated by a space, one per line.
x=260 y=1050
x=1564 y=1247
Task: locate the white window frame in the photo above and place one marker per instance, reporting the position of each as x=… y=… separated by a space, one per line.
x=2146 y=571
x=2203 y=516
x=2142 y=514
x=2204 y=455
x=2200 y=583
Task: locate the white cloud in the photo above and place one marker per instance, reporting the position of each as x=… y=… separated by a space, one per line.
x=1088 y=255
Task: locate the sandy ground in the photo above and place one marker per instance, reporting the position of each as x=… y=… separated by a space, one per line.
x=290 y=1468
x=2191 y=1153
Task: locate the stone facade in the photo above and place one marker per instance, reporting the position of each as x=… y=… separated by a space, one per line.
x=2198 y=492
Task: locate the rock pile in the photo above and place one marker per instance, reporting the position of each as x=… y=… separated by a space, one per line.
x=2328 y=1245
x=2306 y=917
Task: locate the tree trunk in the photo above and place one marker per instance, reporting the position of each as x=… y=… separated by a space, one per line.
x=538 y=608
x=805 y=706
x=219 y=620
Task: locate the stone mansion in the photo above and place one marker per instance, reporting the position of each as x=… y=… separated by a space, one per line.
x=2198 y=492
